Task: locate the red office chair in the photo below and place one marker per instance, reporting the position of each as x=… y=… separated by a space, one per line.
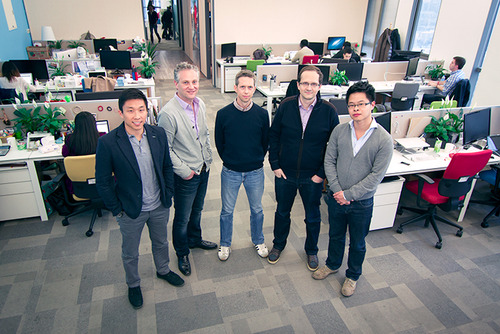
x=448 y=192
x=310 y=59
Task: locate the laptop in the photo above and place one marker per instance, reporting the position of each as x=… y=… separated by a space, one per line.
x=28 y=77
x=4 y=149
x=102 y=126
x=494 y=144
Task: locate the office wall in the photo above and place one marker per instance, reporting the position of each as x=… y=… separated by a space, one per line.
x=71 y=18
x=403 y=19
x=15 y=41
x=188 y=29
x=283 y=22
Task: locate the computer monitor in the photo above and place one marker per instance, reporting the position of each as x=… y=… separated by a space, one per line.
x=317 y=47
x=102 y=126
x=353 y=71
x=228 y=50
x=115 y=60
x=476 y=125
x=325 y=69
x=411 y=70
x=402 y=55
x=36 y=67
x=109 y=95
x=104 y=44
x=335 y=43
x=384 y=119
x=334 y=60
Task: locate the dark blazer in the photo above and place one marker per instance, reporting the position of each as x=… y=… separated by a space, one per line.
x=123 y=190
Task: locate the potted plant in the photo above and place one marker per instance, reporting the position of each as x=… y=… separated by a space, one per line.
x=57 y=45
x=50 y=121
x=75 y=44
x=436 y=72
x=148 y=63
x=339 y=78
x=59 y=70
x=447 y=128
x=28 y=119
x=267 y=51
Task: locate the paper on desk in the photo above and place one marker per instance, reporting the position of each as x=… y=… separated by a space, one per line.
x=417 y=126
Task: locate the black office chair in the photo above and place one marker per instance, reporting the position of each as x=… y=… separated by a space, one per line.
x=492 y=177
x=8 y=95
x=81 y=171
x=340 y=105
x=403 y=96
x=461 y=93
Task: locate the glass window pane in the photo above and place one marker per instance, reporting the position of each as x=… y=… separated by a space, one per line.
x=425 y=24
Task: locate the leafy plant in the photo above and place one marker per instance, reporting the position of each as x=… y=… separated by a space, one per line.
x=75 y=44
x=28 y=119
x=139 y=44
x=55 y=44
x=339 y=78
x=59 y=70
x=444 y=127
x=435 y=71
x=31 y=120
x=50 y=121
x=148 y=63
x=267 y=51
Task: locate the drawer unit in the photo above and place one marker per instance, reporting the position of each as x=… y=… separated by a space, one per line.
x=17 y=197
x=385 y=203
x=229 y=76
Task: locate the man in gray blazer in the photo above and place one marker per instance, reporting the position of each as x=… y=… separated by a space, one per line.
x=183 y=119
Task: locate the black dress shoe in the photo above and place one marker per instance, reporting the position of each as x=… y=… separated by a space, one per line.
x=135 y=297
x=171 y=278
x=204 y=244
x=184 y=265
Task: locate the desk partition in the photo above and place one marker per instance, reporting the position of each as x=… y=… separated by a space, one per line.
x=385 y=71
x=282 y=73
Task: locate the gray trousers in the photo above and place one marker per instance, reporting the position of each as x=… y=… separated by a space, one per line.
x=131 y=230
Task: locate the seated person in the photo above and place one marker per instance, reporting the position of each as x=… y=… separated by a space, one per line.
x=340 y=54
x=447 y=86
x=83 y=140
x=12 y=80
x=347 y=53
x=304 y=51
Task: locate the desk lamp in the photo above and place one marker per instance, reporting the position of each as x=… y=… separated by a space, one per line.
x=48 y=34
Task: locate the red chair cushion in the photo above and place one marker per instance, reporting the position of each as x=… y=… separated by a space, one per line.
x=429 y=192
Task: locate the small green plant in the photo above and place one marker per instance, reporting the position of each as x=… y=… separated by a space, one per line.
x=50 y=121
x=55 y=44
x=339 y=78
x=59 y=69
x=445 y=127
x=435 y=71
x=75 y=44
x=148 y=63
x=267 y=51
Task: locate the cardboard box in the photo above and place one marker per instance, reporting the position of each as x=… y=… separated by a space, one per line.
x=38 y=52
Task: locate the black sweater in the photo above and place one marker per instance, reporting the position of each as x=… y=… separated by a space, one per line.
x=300 y=154
x=242 y=137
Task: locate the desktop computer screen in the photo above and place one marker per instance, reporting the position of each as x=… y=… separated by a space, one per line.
x=402 y=55
x=384 y=119
x=36 y=67
x=334 y=60
x=317 y=47
x=104 y=44
x=228 y=50
x=115 y=60
x=476 y=125
x=325 y=69
x=354 y=71
x=411 y=70
x=335 y=43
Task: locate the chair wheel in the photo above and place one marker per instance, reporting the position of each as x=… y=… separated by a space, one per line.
x=439 y=245
x=399 y=230
x=89 y=233
x=460 y=233
x=65 y=222
x=485 y=225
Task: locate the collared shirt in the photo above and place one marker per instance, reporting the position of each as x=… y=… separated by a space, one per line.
x=357 y=144
x=240 y=108
x=192 y=114
x=306 y=113
x=452 y=81
x=150 y=187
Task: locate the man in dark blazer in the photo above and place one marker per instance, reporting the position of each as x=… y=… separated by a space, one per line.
x=134 y=177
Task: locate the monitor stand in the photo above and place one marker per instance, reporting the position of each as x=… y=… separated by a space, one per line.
x=117 y=72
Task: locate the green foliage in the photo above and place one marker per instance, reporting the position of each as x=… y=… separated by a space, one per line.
x=55 y=44
x=267 y=51
x=50 y=122
x=435 y=72
x=60 y=70
x=148 y=63
x=31 y=120
x=339 y=78
x=28 y=119
x=445 y=126
x=75 y=44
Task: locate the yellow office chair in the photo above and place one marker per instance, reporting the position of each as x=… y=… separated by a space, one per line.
x=443 y=105
x=81 y=171
x=252 y=64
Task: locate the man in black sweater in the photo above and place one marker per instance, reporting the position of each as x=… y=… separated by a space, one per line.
x=241 y=137
x=297 y=144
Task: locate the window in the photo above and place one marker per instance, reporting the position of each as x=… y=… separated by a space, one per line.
x=424 y=25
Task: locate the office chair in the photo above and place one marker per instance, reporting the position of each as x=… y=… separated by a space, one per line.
x=252 y=64
x=491 y=176
x=461 y=93
x=310 y=59
x=443 y=105
x=340 y=105
x=81 y=171
x=403 y=96
x=447 y=193
x=8 y=95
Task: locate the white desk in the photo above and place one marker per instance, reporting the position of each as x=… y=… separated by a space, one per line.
x=20 y=191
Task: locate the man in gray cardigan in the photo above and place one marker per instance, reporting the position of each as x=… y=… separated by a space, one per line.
x=357 y=157
x=183 y=119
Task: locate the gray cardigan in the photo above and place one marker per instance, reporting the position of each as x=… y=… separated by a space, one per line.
x=187 y=152
x=358 y=176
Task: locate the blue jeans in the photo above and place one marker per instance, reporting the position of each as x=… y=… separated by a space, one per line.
x=310 y=192
x=189 y=196
x=357 y=216
x=253 y=182
x=131 y=230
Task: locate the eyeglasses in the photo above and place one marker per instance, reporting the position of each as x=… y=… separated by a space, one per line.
x=359 y=105
x=312 y=84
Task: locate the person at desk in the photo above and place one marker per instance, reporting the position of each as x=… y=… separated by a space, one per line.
x=340 y=54
x=12 y=80
x=304 y=51
x=297 y=139
x=347 y=54
x=134 y=177
x=83 y=140
x=447 y=86
x=184 y=120
x=357 y=157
